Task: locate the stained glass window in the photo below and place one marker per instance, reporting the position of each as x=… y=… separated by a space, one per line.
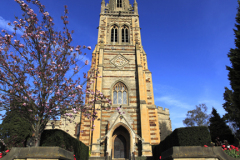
x=119 y=97
x=114 y=97
x=120 y=93
x=124 y=97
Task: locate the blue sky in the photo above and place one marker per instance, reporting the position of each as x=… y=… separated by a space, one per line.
x=186 y=42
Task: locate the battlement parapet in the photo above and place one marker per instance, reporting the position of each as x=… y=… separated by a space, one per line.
x=160 y=110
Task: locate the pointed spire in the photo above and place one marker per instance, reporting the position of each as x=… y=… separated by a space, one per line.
x=103 y=6
x=135 y=6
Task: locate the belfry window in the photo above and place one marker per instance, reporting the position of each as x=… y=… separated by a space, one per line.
x=125 y=34
x=119 y=93
x=119 y=3
x=114 y=33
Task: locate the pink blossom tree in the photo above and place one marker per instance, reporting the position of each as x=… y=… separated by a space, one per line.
x=38 y=70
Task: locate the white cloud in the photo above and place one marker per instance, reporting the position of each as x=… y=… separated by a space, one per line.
x=173 y=102
x=4 y=25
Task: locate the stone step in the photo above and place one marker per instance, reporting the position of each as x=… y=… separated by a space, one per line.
x=108 y=158
x=104 y=158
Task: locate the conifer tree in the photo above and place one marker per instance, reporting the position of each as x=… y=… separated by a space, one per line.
x=232 y=96
x=218 y=126
x=15 y=129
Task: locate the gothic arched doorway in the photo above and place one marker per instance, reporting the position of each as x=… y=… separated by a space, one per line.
x=121 y=143
x=120 y=147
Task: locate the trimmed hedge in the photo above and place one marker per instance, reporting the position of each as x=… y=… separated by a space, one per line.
x=187 y=136
x=56 y=137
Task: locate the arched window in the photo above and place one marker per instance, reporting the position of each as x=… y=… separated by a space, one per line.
x=119 y=3
x=114 y=33
x=120 y=93
x=125 y=34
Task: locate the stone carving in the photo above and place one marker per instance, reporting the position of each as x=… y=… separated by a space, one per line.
x=119 y=61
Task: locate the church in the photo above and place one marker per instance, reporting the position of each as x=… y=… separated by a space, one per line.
x=134 y=123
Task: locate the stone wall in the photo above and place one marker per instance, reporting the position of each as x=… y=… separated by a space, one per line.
x=65 y=125
x=164 y=122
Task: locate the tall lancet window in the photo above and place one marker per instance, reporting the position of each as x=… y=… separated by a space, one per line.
x=120 y=93
x=114 y=33
x=119 y=3
x=125 y=34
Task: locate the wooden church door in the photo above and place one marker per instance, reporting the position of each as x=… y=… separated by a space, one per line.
x=120 y=147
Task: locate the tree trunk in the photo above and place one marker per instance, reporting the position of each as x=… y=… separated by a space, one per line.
x=37 y=142
x=37 y=136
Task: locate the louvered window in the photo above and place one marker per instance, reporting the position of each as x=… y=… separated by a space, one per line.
x=125 y=34
x=114 y=33
x=119 y=3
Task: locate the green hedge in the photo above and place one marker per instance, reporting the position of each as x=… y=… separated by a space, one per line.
x=62 y=139
x=188 y=136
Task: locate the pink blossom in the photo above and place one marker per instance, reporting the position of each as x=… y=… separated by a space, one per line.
x=60 y=90
x=45 y=13
x=86 y=62
x=41 y=32
x=21 y=45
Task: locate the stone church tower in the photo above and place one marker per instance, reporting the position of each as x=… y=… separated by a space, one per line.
x=127 y=81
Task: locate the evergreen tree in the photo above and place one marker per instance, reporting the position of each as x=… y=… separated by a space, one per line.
x=15 y=129
x=218 y=127
x=232 y=97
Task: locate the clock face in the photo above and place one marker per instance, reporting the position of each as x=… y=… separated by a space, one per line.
x=119 y=61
